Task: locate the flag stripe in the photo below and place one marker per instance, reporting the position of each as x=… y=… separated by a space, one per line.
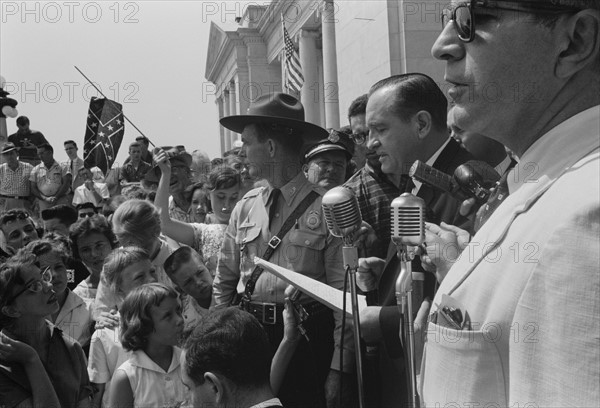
x=292 y=76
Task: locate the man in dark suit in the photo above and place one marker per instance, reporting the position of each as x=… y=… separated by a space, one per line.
x=406 y=116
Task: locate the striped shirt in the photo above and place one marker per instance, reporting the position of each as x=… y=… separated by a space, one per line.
x=15 y=183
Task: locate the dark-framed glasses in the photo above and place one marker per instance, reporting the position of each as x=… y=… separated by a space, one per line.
x=35 y=286
x=359 y=138
x=463 y=14
x=21 y=215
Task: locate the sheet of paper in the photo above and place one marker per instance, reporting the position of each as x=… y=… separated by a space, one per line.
x=321 y=292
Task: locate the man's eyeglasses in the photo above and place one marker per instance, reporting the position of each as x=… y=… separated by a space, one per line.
x=463 y=14
x=359 y=138
x=35 y=286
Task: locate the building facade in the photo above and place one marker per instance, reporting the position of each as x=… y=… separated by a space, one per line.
x=344 y=46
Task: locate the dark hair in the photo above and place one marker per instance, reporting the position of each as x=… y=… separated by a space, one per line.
x=191 y=189
x=10 y=277
x=180 y=256
x=46 y=146
x=86 y=205
x=217 y=161
x=64 y=213
x=22 y=120
x=413 y=93
x=358 y=106
x=89 y=225
x=13 y=214
x=111 y=205
x=135 y=144
x=230 y=342
x=142 y=139
x=45 y=245
x=60 y=240
x=70 y=142
x=136 y=320
x=222 y=177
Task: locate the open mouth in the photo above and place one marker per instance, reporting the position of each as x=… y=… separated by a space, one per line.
x=52 y=298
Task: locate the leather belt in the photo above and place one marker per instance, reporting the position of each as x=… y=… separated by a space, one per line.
x=14 y=197
x=272 y=313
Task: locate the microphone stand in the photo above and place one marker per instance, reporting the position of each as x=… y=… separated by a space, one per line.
x=404 y=289
x=350 y=257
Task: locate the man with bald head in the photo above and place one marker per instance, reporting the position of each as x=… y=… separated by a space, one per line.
x=529 y=322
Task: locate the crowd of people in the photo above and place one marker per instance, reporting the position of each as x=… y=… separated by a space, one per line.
x=139 y=288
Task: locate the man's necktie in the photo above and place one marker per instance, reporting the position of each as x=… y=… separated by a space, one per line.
x=496 y=198
x=273 y=207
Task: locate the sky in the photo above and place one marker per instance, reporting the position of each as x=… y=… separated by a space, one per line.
x=148 y=55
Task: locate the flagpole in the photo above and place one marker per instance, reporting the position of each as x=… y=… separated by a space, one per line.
x=125 y=117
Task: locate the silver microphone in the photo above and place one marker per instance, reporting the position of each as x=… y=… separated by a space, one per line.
x=408 y=230
x=408 y=220
x=342 y=213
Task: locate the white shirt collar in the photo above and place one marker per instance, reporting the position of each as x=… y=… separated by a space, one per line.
x=558 y=149
x=268 y=403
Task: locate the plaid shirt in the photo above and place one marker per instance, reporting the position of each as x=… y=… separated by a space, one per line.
x=15 y=183
x=176 y=213
x=375 y=194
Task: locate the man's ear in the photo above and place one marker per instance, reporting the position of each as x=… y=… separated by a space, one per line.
x=216 y=385
x=11 y=311
x=423 y=123
x=271 y=147
x=579 y=42
x=305 y=169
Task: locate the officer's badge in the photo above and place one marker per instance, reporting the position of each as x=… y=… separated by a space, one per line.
x=313 y=220
x=334 y=137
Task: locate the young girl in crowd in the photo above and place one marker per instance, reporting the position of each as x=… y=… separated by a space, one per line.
x=224 y=186
x=197 y=194
x=74 y=315
x=40 y=366
x=125 y=269
x=93 y=240
x=151 y=326
x=135 y=223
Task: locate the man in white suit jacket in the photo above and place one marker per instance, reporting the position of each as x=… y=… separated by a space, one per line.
x=529 y=281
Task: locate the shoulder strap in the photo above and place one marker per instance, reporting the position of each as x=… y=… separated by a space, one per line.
x=276 y=240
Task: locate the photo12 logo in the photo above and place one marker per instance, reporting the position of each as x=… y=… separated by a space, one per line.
x=69 y=11
x=55 y=92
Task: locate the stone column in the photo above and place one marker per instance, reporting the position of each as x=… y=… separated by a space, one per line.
x=232 y=110
x=312 y=89
x=226 y=107
x=330 y=86
x=219 y=103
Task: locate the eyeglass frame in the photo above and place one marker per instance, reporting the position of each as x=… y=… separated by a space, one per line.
x=46 y=272
x=534 y=7
x=359 y=138
x=22 y=215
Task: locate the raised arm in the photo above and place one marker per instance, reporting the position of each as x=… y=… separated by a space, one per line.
x=179 y=231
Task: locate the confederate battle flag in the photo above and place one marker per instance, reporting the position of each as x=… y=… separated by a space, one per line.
x=103 y=133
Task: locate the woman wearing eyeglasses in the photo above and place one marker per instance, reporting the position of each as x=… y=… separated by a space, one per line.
x=39 y=365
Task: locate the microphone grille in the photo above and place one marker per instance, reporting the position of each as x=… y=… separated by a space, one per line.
x=341 y=211
x=408 y=220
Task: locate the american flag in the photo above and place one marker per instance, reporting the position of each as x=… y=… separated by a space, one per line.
x=292 y=74
x=103 y=133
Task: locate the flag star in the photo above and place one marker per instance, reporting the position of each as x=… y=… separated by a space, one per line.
x=118 y=121
x=94 y=124
x=109 y=157
x=89 y=116
x=110 y=128
x=101 y=134
x=107 y=144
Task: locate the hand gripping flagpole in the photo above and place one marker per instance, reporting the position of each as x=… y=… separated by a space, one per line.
x=124 y=117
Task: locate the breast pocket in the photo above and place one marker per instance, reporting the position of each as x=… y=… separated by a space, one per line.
x=468 y=367
x=247 y=238
x=303 y=251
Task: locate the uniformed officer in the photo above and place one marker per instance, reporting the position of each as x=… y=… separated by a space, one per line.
x=273 y=135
